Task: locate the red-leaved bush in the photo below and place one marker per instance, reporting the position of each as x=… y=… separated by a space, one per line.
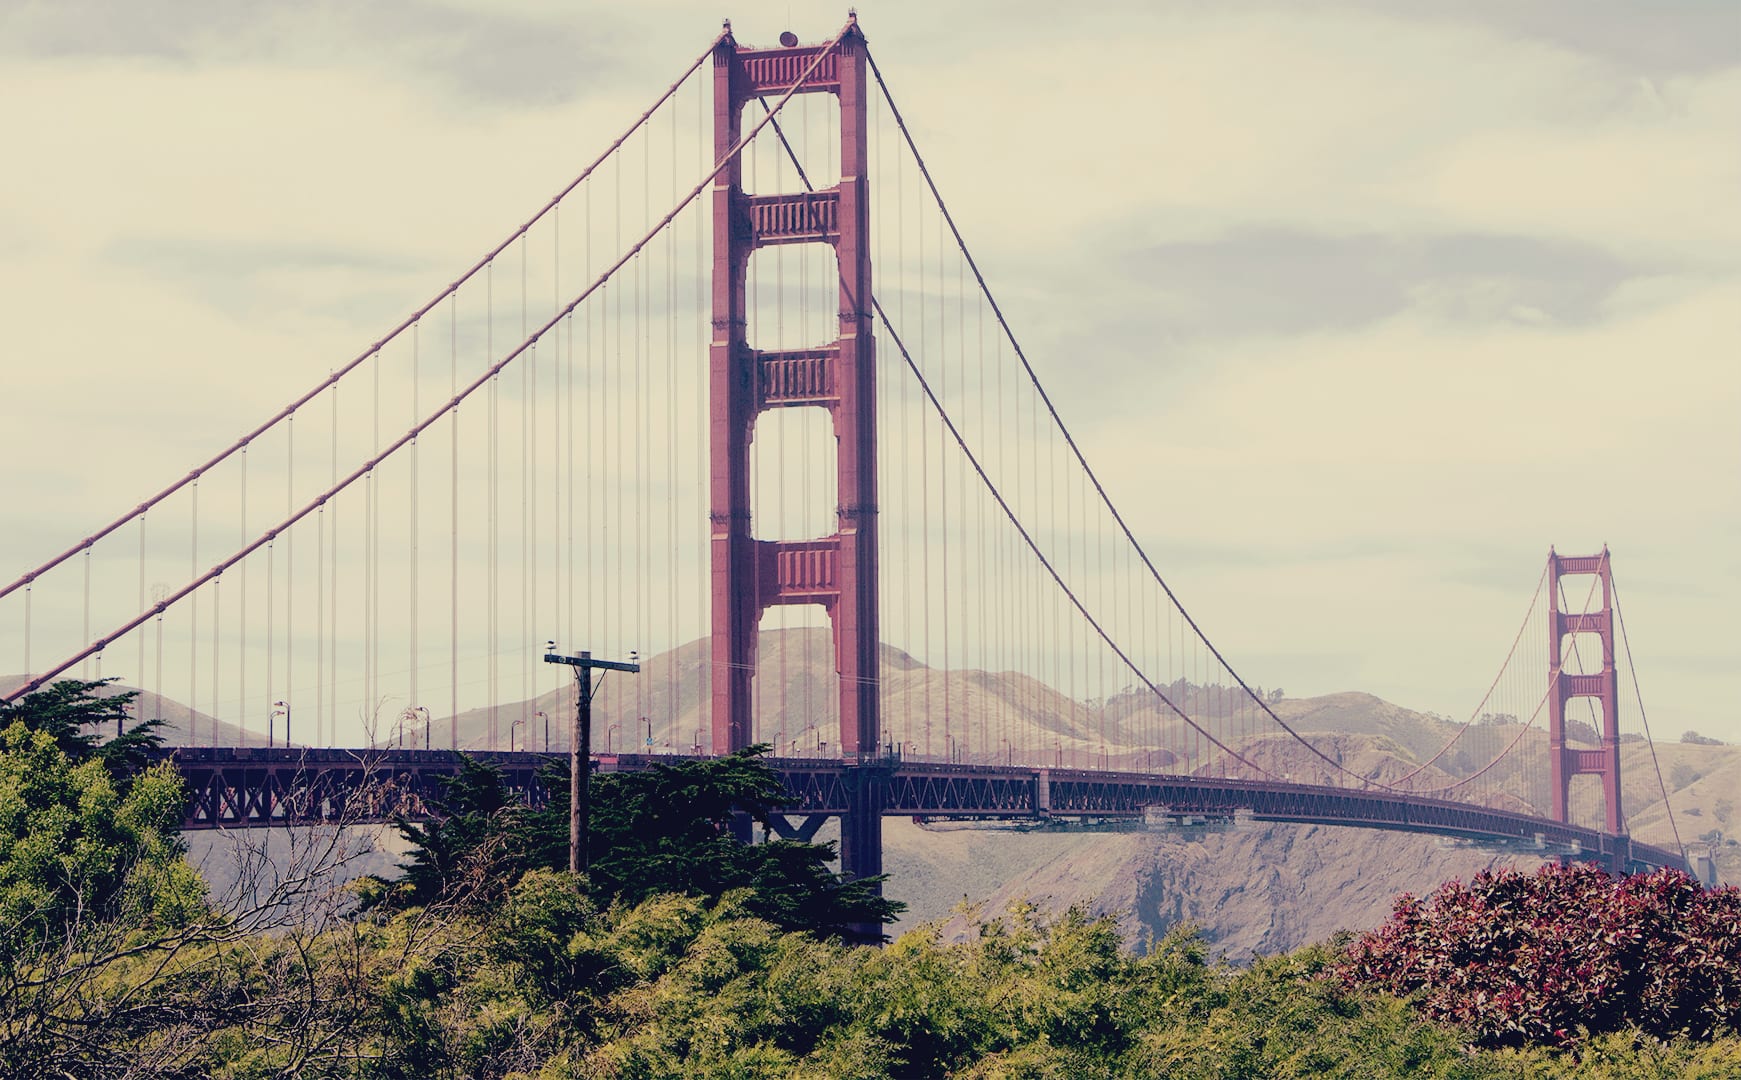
x=1540 y=958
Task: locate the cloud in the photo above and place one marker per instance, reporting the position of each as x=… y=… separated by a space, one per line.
x=469 y=55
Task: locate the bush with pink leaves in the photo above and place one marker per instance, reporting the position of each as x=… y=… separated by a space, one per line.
x=1545 y=958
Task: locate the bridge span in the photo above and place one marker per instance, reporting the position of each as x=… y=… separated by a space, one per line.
x=256 y=787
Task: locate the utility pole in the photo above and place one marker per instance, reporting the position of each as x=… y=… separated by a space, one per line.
x=580 y=747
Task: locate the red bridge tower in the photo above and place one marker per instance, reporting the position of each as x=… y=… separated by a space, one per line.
x=1566 y=762
x=838 y=571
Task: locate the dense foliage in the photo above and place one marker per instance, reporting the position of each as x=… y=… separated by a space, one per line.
x=663 y=830
x=1568 y=951
x=79 y=715
x=679 y=958
x=85 y=830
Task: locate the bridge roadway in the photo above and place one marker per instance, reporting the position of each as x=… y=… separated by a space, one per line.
x=251 y=787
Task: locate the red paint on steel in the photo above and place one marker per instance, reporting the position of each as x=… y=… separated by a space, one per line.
x=1565 y=762
x=839 y=571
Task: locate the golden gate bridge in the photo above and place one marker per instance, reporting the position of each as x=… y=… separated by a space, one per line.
x=867 y=538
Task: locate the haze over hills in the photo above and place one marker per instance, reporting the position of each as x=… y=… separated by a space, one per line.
x=1258 y=887
x=1263 y=887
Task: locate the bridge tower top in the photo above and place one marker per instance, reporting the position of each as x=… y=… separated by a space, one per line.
x=1602 y=687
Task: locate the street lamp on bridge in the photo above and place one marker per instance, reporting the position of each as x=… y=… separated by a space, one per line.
x=546 y=717
x=409 y=715
x=279 y=708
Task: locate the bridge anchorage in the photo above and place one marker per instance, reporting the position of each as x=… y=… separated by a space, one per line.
x=1000 y=650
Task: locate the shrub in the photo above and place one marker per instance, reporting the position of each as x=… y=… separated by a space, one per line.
x=1546 y=958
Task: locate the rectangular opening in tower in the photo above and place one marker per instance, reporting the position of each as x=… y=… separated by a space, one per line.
x=810 y=124
x=795 y=696
x=1581 y=654
x=1579 y=593
x=792 y=297
x=794 y=486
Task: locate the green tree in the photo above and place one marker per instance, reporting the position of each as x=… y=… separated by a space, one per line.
x=86 y=828
x=79 y=714
x=662 y=830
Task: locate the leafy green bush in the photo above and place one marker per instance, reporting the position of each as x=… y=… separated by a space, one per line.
x=1568 y=951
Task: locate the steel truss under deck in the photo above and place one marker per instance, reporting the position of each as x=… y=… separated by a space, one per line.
x=251 y=788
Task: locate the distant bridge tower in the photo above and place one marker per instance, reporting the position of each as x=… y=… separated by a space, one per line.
x=838 y=571
x=1566 y=762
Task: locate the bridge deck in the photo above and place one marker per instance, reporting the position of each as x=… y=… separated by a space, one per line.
x=252 y=787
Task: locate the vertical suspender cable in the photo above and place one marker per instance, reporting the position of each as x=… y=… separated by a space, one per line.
x=193 y=626
x=943 y=514
x=558 y=592
x=241 y=712
x=139 y=673
x=494 y=507
x=643 y=432
x=702 y=339
x=85 y=671
x=320 y=634
x=528 y=519
x=217 y=666
x=675 y=567
x=332 y=641
x=289 y=571
x=271 y=626
x=453 y=530
x=925 y=598
x=415 y=700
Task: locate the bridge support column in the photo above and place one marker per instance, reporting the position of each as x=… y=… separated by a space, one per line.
x=861 y=833
x=1566 y=762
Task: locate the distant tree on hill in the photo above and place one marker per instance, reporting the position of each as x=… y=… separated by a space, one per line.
x=1693 y=738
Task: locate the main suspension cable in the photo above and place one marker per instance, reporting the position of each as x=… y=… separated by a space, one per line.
x=481 y=380
x=336 y=375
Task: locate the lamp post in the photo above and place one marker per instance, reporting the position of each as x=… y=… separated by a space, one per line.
x=410 y=715
x=279 y=708
x=610 y=736
x=1009 y=754
x=546 y=717
x=519 y=722
x=580 y=748
x=695 y=748
x=649 y=742
x=778 y=735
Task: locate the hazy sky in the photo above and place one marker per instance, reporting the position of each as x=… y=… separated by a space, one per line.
x=1364 y=305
